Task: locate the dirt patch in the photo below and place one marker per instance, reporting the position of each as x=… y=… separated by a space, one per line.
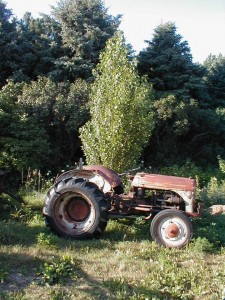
x=17 y=281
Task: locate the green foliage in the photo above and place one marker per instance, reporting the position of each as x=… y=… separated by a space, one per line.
x=221 y=164
x=172 y=123
x=39 y=47
x=24 y=143
x=85 y=28
x=179 y=87
x=3 y=275
x=28 y=146
x=58 y=270
x=189 y=169
x=48 y=241
x=215 y=80
x=40 y=121
x=209 y=232
x=8 y=44
x=120 y=107
x=167 y=62
x=202 y=245
x=213 y=193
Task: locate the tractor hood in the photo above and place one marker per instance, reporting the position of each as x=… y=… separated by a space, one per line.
x=163 y=182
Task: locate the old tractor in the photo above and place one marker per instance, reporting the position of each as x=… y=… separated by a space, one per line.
x=81 y=202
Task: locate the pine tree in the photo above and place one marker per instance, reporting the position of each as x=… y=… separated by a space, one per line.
x=215 y=80
x=86 y=27
x=40 y=45
x=8 y=44
x=167 y=62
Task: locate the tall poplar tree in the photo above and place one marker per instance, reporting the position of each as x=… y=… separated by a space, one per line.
x=121 y=120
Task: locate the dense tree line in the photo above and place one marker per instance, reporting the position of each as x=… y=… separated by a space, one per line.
x=49 y=92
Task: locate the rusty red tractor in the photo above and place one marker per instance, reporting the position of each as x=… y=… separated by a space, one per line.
x=82 y=201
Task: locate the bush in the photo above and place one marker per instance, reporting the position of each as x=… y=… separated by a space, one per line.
x=189 y=169
x=213 y=193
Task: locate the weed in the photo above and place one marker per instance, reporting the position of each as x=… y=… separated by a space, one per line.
x=3 y=275
x=202 y=245
x=47 y=240
x=19 y=295
x=58 y=270
x=58 y=294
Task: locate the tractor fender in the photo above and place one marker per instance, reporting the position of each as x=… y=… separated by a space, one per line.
x=106 y=179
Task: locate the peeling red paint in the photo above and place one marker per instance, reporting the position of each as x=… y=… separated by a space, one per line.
x=163 y=182
x=111 y=176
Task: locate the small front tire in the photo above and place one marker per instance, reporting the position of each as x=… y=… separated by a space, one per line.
x=171 y=228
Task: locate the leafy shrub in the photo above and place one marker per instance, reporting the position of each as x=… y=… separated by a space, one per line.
x=189 y=169
x=47 y=240
x=213 y=193
x=3 y=275
x=210 y=227
x=58 y=270
x=202 y=245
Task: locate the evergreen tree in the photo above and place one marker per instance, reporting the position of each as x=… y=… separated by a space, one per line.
x=40 y=46
x=215 y=80
x=121 y=120
x=8 y=44
x=167 y=62
x=86 y=27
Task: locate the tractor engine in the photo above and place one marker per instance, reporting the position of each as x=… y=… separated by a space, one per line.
x=154 y=192
x=142 y=200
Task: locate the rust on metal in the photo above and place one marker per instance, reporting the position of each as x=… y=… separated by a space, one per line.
x=111 y=176
x=77 y=209
x=163 y=182
x=74 y=173
x=172 y=230
x=195 y=214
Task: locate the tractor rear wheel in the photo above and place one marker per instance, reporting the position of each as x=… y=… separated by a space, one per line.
x=76 y=208
x=171 y=228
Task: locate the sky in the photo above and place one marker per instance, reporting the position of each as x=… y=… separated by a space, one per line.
x=200 y=22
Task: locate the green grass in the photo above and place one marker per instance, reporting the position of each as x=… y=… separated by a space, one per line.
x=124 y=264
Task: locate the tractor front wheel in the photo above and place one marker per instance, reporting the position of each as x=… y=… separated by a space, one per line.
x=171 y=228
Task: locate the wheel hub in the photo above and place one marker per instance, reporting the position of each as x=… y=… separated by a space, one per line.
x=172 y=231
x=78 y=209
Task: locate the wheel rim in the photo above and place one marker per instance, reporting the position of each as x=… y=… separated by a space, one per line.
x=75 y=213
x=77 y=209
x=173 y=231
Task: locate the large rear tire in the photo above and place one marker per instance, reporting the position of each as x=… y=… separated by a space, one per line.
x=171 y=228
x=76 y=208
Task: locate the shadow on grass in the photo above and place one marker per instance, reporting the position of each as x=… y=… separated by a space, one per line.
x=17 y=233
x=17 y=271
